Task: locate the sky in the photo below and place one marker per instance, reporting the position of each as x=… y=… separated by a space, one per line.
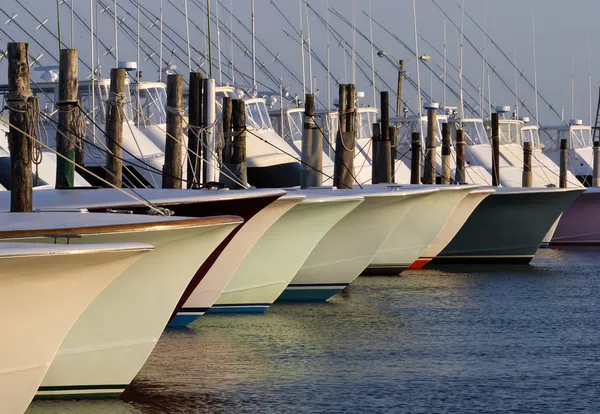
x=565 y=45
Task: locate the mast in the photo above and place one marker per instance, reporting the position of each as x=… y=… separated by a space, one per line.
x=72 y=24
x=516 y=87
x=93 y=80
x=302 y=51
x=210 y=65
x=310 y=74
x=572 y=87
x=372 y=57
x=58 y=25
x=590 y=79
x=187 y=34
x=254 y=53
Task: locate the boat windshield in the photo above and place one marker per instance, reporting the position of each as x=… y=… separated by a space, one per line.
x=510 y=133
x=581 y=137
x=101 y=96
x=294 y=125
x=153 y=102
x=531 y=135
x=407 y=128
x=366 y=119
x=474 y=132
x=257 y=115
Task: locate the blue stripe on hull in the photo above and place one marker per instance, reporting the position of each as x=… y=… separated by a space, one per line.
x=309 y=295
x=181 y=320
x=233 y=309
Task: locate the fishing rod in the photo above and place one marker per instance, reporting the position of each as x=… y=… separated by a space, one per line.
x=551 y=106
x=413 y=53
x=493 y=70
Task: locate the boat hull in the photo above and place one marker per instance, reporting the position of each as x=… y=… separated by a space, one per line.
x=61 y=286
x=111 y=340
x=507 y=227
x=287 y=244
x=348 y=248
x=229 y=261
x=580 y=222
x=455 y=222
x=417 y=229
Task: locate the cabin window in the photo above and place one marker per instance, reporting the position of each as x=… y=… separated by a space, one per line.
x=253 y=118
x=265 y=115
x=474 y=132
x=153 y=102
x=295 y=125
x=532 y=135
x=581 y=138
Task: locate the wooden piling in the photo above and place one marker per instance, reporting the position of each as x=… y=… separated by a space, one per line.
x=312 y=147
x=460 y=157
x=527 y=175
x=415 y=160
x=384 y=99
x=393 y=154
x=399 y=88
x=172 y=169
x=495 y=150
x=446 y=153
x=66 y=137
x=381 y=169
x=238 y=154
x=114 y=128
x=194 y=145
x=596 y=177
x=343 y=171
x=429 y=175
x=564 y=163
x=19 y=143
x=227 y=151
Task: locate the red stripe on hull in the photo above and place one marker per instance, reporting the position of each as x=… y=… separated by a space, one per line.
x=419 y=263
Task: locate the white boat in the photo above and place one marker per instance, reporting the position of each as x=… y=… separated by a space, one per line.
x=457 y=219
x=114 y=336
x=348 y=248
x=232 y=257
x=259 y=282
x=43 y=291
x=580 y=145
x=418 y=228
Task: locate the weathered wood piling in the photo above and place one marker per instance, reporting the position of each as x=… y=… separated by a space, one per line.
x=19 y=93
x=446 y=153
x=527 y=175
x=67 y=129
x=596 y=177
x=312 y=147
x=381 y=171
x=194 y=130
x=114 y=128
x=460 y=157
x=238 y=153
x=564 y=163
x=429 y=176
x=173 y=169
x=495 y=149
x=343 y=171
x=415 y=158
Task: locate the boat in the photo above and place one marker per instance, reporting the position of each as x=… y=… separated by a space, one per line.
x=44 y=288
x=114 y=336
x=580 y=222
x=508 y=226
x=196 y=203
x=287 y=243
x=457 y=219
x=348 y=248
x=418 y=228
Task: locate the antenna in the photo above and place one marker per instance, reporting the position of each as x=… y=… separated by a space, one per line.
x=187 y=34
x=572 y=87
x=372 y=57
x=160 y=52
x=483 y=60
x=116 y=35
x=137 y=72
x=72 y=24
x=210 y=64
x=354 y=42
x=445 y=59
x=328 y=56
x=232 y=68
x=516 y=87
x=302 y=50
x=537 y=119
x=254 y=54
x=590 y=77
x=93 y=80
x=418 y=73
x=460 y=66
x=57 y=22
x=219 y=46
x=310 y=75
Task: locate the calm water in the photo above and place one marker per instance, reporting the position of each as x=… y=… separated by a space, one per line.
x=510 y=339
